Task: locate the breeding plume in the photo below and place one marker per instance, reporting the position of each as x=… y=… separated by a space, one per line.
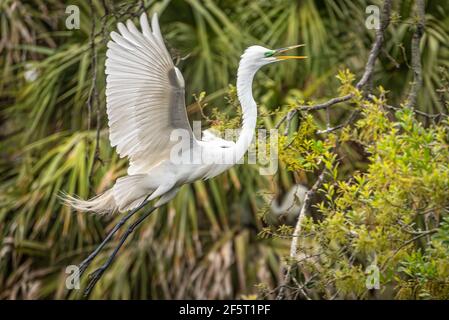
x=148 y=124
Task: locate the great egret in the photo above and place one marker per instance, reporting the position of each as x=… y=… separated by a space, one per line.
x=145 y=104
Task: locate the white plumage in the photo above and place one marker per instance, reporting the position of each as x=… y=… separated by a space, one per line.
x=288 y=208
x=145 y=99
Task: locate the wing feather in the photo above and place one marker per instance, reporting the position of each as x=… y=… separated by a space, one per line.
x=144 y=93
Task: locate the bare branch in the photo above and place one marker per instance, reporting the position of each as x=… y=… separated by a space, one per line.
x=288 y=116
x=369 y=67
x=416 y=55
x=377 y=45
x=340 y=126
x=326 y=104
x=405 y=244
x=298 y=228
x=93 y=98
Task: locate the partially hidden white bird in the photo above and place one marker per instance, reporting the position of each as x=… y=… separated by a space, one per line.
x=286 y=210
x=145 y=97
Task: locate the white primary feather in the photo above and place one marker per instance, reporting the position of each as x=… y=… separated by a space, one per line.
x=144 y=95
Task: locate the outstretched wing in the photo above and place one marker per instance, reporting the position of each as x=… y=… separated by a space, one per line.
x=144 y=95
x=210 y=136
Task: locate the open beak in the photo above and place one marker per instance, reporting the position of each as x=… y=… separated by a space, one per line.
x=282 y=50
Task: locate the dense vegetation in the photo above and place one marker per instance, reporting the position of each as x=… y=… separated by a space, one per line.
x=381 y=163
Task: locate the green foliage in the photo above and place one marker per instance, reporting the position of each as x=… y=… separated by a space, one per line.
x=385 y=215
x=426 y=275
x=301 y=151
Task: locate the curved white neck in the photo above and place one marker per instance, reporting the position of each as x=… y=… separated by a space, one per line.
x=245 y=76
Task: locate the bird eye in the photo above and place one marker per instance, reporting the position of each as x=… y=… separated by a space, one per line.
x=269 y=53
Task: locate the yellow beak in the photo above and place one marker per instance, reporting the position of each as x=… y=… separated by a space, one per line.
x=282 y=50
x=290 y=57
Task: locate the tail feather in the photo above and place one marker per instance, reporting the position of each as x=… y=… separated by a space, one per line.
x=130 y=191
x=101 y=204
x=127 y=193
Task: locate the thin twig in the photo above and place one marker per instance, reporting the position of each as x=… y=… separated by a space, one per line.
x=377 y=45
x=340 y=126
x=431 y=116
x=405 y=244
x=397 y=65
x=298 y=228
x=93 y=98
x=326 y=104
x=369 y=67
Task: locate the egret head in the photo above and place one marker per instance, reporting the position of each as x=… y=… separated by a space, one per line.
x=259 y=56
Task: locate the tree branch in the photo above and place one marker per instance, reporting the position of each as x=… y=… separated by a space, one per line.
x=93 y=98
x=298 y=227
x=326 y=104
x=369 y=69
x=351 y=118
x=377 y=45
x=416 y=54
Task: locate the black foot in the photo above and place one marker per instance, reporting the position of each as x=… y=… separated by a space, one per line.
x=94 y=277
x=83 y=266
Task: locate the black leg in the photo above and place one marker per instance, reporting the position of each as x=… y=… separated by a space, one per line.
x=96 y=275
x=83 y=265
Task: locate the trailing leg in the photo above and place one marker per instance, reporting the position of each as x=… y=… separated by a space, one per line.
x=96 y=275
x=83 y=265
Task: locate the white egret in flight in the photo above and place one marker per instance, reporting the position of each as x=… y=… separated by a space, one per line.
x=145 y=105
